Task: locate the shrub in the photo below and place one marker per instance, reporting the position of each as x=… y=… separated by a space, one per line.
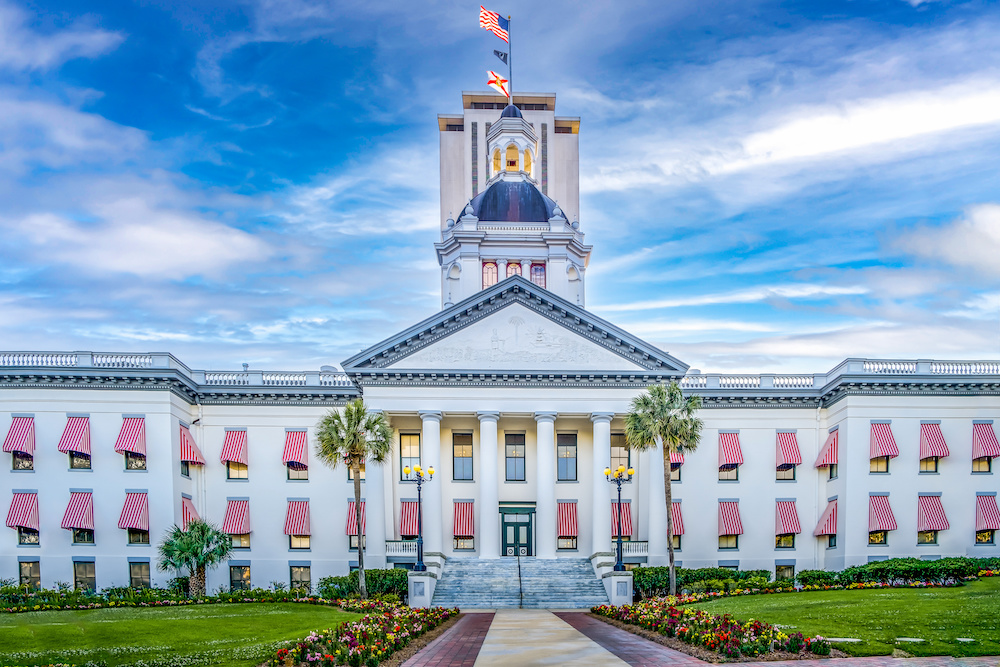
x=379 y=582
x=816 y=578
x=655 y=581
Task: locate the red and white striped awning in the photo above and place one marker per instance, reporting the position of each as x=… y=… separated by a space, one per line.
x=787 y=451
x=21 y=436
x=237 y=521
x=296 y=452
x=465 y=522
x=984 y=441
x=79 y=511
x=567 y=520
x=76 y=436
x=930 y=514
x=189 y=449
x=987 y=512
x=882 y=442
x=932 y=441
x=786 y=518
x=729 y=518
x=352 y=519
x=297 y=518
x=408 y=517
x=23 y=512
x=828 y=522
x=676 y=518
x=676 y=459
x=135 y=513
x=188 y=512
x=828 y=455
x=234 y=447
x=729 y=450
x=626 y=518
x=132 y=437
x=880 y=514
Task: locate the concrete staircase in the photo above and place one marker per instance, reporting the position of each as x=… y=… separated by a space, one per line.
x=561 y=583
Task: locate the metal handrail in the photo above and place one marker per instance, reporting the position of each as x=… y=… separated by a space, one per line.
x=520 y=584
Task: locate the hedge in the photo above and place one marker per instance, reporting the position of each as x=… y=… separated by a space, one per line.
x=655 y=581
x=378 y=582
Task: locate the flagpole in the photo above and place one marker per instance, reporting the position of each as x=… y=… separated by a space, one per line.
x=510 y=66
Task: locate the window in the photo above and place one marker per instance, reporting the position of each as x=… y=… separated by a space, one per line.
x=831 y=541
x=527 y=162
x=467 y=543
x=239 y=577
x=878 y=537
x=22 y=461
x=566 y=457
x=496 y=161
x=538 y=274
x=361 y=472
x=409 y=451
x=566 y=543
x=927 y=537
x=299 y=472
x=784 y=541
x=513 y=268
x=78 y=461
x=461 y=449
x=135 y=461
x=236 y=470
x=833 y=471
x=136 y=536
x=298 y=541
x=784 y=572
x=675 y=472
x=930 y=464
x=729 y=541
x=241 y=541
x=729 y=472
x=138 y=575
x=677 y=542
x=515 y=457
x=985 y=536
x=785 y=473
x=84 y=577
x=185 y=468
x=27 y=536
x=31 y=574
x=83 y=536
x=353 y=543
x=879 y=464
x=489 y=274
x=300 y=577
x=510 y=157
x=621 y=455
x=982 y=464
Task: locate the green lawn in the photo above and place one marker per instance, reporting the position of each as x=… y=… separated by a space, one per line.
x=939 y=616
x=234 y=635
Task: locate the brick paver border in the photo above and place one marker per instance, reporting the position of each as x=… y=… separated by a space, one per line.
x=458 y=646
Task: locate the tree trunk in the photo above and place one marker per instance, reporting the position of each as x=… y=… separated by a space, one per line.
x=197 y=582
x=670 y=516
x=356 y=469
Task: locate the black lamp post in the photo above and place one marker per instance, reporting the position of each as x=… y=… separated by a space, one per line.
x=619 y=477
x=419 y=476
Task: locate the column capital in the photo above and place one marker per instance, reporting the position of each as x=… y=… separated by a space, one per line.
x=545 y=416
x=602 y=417
x=488 y=416
x=426 y=415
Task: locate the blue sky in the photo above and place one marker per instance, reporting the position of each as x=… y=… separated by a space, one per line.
x=767 y=186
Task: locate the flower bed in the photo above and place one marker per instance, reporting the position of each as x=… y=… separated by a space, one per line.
x=722 y=634
x=368 y=641
x=55 y=600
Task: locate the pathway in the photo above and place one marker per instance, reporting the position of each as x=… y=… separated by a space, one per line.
x=536 y=637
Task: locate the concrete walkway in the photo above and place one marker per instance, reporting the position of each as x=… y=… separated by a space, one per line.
x=538 y=637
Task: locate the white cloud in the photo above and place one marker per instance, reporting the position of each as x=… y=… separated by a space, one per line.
x=756 y=294
x=26 y=50
x=970 y=242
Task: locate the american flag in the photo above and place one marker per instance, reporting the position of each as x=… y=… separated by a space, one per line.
x=495 y=23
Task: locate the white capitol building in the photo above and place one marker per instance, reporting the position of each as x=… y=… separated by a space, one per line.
x=516 y=394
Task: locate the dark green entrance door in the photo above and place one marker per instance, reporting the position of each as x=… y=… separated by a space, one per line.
x=516 y=533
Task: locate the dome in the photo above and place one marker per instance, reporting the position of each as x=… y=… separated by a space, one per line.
x=513 y=201
x=511 y=111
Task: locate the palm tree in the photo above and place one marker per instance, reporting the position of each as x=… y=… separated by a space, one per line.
x=662 y=417
x=195 y=549
x=353 y=437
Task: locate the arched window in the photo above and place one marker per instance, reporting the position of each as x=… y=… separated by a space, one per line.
x=497 y=166
x=527 y=163
x=489 y=274
x=538 y=274
x=512 y=158
x=513 y=268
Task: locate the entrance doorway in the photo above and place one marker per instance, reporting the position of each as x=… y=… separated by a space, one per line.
x=516 y=528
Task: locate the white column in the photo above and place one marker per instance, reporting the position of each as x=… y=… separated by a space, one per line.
x=545 y=494
x=526 y=269
x=489 y=485
x=501 y=269
x=374 y=515
x=602 y=487
x=430 y=455
x=656 y=508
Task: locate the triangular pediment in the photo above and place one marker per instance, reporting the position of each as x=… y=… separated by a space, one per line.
x=514 y=327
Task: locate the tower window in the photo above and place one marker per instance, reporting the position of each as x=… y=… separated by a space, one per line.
x=496 y=162
x=513 y=268
x=538 y=274
x=511 y=158
x=527 y=162
x=489 y=274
